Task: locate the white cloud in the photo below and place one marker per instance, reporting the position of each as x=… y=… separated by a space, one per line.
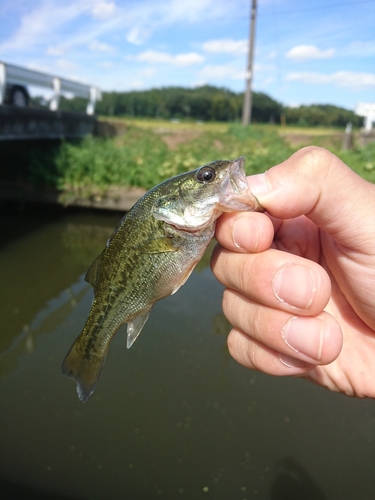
x=305 y=52
x=226 y=46
x=188 y=59
x=229 y=71
x=47 y=28
x=272 y=54
x=193 y=10
x=136 y=84
x=58 y=50
x=41 y=24
x=220 y=71
x=66 y=65
x=137 y=36
x=103 y=10
x=119 y=83
x=147 y=72
x=48 y=25
x=356 y=81
x=268 y=81
x=359 y=48
x=153 y=56
x=106 y=64
x=141 y=19
x=264 y=67
x=99 y=46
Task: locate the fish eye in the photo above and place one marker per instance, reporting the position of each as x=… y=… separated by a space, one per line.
x=206 y=175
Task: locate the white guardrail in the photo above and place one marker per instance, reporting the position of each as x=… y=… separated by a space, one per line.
x=367 y=110
x=16 y=75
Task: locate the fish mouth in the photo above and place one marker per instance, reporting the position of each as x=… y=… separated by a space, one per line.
x=236 y=194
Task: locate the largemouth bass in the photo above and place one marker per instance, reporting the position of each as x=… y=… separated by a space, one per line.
x=150 y=254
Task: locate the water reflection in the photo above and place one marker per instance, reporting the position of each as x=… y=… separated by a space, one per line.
x=34 y=270
x=293 y=482
x=172 y=417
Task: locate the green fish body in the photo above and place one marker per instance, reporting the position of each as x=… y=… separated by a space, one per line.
x=151 y=253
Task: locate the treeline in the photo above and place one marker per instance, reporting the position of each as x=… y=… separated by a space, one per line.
x=322 y=114
x=205 y=103
x=208 y=103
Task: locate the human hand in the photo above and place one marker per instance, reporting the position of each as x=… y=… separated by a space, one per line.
x=300 y=279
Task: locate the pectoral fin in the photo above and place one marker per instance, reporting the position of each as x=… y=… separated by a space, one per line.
x=157 y=245
x=135 y=326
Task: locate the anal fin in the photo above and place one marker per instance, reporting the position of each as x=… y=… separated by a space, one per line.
x=135 y=326
x=184 y=279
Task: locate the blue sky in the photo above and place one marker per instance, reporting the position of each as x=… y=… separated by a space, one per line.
x=306 y=52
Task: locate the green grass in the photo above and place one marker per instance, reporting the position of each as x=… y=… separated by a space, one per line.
x=172 y=125
x=361 y=160
x=142 y=158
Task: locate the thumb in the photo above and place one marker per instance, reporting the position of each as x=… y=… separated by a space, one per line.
x=316 y=183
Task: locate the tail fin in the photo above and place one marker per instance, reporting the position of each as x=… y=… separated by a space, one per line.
x=84 y=369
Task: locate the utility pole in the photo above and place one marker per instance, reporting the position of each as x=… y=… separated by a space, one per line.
x=247 y=102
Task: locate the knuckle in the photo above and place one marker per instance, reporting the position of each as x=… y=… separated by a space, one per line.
x=315 y=153
x=240 y=347
x=254 y=354
x=317 y=158
x=226 y=302
x=255 y=322
x=231 y=342
x=245 y=272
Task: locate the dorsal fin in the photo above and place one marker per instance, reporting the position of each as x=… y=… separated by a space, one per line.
x=93 y=270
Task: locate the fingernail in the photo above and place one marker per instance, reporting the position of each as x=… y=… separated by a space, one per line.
x=292 y=362
x=305 y=336
x=245 y=234
x=258 y=184
x=294 y=285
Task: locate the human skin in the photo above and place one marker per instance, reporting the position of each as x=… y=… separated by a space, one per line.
x=300 y=278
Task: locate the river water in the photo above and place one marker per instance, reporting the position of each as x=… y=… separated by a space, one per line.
x=174 y=416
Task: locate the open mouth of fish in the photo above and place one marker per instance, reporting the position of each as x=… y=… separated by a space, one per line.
x=236 y=194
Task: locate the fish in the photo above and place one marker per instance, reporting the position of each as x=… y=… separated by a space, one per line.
x=150 y=255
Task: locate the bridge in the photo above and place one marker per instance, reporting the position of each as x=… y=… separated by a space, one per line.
x=20 y=121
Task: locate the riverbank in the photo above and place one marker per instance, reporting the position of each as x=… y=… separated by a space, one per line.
x=115 y=198
x=112 y=172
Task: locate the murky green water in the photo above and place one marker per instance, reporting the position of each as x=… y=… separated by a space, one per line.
x=174 y=416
